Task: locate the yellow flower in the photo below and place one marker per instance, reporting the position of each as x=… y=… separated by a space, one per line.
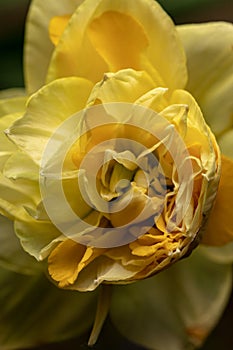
x=120 y=170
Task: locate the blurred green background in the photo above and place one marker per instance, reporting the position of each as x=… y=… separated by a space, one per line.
x=12 y=19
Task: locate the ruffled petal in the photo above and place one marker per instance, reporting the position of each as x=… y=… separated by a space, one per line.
x=124 y=86
x=38 y=46
x=210 y=69
x=177 y=308
x=34 y=312
x=105 y=36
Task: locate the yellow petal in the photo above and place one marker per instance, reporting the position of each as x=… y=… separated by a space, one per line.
x=57 y=26
x=38 y=46
x=32 y=132
x=219 y=228
x=7 y=147
x=12 y=105
x=68 y=259
x=64 y=262
x=209 y=53
x=226 y=143
x=105 y=35
x=15 y=196
x=103 y=270
x=12 y=93
x=11 y=109
x=126 y=85
x=36 y=235
x=119 y=39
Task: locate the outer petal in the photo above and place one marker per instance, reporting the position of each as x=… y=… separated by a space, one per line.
x=34 y=312
x=177 y=308
x=7 y=147
x=226 y=143
x=219 y=228
x=38 y=46
x=12 y=92
x=12 y=105
x=37 y=236
x=10 y=110
x=17 y=196
x=221 y=255
x=12 y=256
x=60 y=99
x=210 y=69
x=83 y=49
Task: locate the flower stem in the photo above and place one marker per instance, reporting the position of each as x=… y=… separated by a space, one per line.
x=101 y=312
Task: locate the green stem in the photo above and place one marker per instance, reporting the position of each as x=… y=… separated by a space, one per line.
x=101 y=313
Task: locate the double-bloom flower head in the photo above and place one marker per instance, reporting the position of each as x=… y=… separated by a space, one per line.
x=117 y=164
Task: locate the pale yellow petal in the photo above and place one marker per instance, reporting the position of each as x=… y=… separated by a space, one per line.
x=36 y=235
x=20 y=166
x=225 y=142
x=102 y=270
x=38 y=46
x=18 y=196
x=60 y=99
x=155 y=99
x=12 y=92
x=11 y=109
x=124 y=86
x=209 y=53
x=219 y=228
x=7 y=147
x=12 y=105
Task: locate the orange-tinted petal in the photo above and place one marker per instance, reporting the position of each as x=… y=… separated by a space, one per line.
x=219 y=228
x=119 y=39
x=64 y=262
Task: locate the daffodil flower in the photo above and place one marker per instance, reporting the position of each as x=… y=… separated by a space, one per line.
x=115 y=177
